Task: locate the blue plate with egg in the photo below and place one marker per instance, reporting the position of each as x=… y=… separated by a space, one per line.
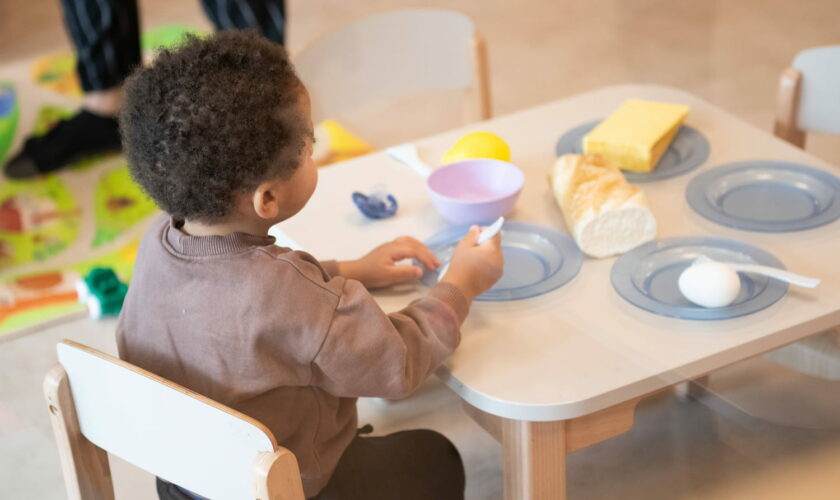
x=538 y=259
x=687 y=151
x=767 y=196
x=648 y=276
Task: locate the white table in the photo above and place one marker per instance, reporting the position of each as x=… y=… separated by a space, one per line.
x=553 y=374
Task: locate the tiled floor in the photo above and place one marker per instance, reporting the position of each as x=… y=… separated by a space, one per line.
x=729 y=52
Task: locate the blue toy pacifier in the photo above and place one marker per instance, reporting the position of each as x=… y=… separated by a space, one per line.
x=378 y=205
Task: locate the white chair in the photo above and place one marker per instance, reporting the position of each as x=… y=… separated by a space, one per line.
x=809 y=95
x=395 y=54
x=809 y=101
x=100 y=405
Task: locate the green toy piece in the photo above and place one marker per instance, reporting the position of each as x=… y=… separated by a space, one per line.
x=102 y=291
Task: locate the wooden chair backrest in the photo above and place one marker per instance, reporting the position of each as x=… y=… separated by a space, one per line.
x=394 y=54
x=102 y=404
x=809 y=95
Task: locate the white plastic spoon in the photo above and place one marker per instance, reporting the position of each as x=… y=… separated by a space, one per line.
x=485 y=235
x=407 y=154
x=770 y=272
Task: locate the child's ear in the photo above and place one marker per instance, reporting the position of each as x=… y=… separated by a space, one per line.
x=266 y=200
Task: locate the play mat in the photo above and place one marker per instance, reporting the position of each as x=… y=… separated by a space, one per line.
x=56 y=228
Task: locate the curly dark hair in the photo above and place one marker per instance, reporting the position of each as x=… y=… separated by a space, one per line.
x=212 y=119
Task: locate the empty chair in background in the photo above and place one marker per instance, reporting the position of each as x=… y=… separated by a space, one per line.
x=397 y=54
x=809 y=101
x=809 y=95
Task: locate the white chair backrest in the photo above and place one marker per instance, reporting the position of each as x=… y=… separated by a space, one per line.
x=385 y=56
x=819 y=101
x=163 y=428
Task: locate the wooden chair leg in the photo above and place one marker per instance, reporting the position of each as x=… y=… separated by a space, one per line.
x=87 y=475
x=534 y=460
x=277 y=476
x=787 y=108
x=481 y=78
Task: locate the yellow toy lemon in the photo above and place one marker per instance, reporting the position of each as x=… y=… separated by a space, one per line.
x=477 y=145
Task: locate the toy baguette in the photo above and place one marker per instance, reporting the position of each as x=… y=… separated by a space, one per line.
x=605 y=214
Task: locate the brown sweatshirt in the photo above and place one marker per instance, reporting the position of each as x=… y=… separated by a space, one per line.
x=268 y=331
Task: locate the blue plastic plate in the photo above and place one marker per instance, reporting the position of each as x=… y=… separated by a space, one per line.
x=647 y=277
x=769 y=196
x=687 y=151
x=538 y=259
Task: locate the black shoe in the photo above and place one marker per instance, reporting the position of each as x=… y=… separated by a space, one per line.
x=84 y=134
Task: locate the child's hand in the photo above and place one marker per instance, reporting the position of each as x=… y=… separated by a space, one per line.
x=378 y=268
x=475 y=269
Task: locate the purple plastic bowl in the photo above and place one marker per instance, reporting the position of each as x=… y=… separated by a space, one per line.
x=472 y=191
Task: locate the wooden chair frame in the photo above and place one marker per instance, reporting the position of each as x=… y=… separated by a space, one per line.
x=85 y=467
x=787 y=108
x=481 y=77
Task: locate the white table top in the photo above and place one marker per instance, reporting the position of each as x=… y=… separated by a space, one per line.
x=581 y=348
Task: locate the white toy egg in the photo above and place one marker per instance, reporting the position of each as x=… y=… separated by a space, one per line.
x=710 y=284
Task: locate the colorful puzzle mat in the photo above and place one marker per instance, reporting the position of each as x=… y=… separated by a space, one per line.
x=56 y=228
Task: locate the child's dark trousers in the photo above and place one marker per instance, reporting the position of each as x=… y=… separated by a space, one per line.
x=407 y=465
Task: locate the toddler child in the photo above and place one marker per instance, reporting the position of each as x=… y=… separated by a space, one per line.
x=219 y=134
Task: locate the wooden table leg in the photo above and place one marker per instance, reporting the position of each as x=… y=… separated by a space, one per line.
x=534 y=460
x=535 y=452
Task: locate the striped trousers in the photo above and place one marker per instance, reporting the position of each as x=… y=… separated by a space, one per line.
x=106 y=33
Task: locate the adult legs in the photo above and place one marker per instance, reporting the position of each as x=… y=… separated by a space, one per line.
x=266 y=16
x=106 y=34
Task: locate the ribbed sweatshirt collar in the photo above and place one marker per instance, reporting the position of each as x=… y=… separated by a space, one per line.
x=208 y=246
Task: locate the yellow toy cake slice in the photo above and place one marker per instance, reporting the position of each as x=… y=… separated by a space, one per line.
x=334 y=143
x=635 y=136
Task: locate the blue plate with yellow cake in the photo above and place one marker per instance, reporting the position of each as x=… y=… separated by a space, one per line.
x=687 y=151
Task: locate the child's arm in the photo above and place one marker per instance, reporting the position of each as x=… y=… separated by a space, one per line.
x=379 y=267
x=369 y=353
